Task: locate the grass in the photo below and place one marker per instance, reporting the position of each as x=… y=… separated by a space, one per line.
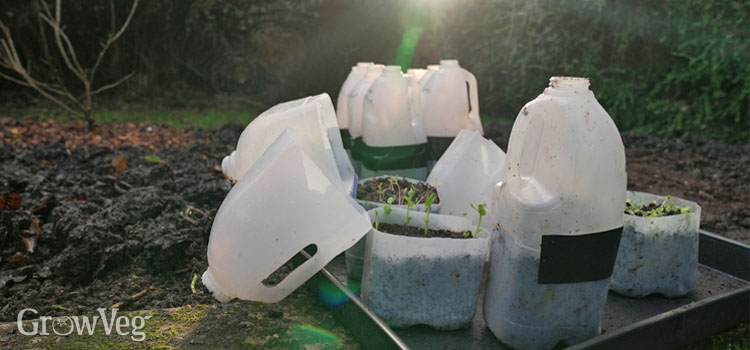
x=202 y=118
x=196 y=111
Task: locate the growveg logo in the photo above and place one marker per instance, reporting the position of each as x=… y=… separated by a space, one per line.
x=67 y=325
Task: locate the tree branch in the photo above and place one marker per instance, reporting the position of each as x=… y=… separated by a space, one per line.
x=112 y=39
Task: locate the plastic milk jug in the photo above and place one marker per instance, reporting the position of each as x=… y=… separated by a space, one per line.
x=342 y=111
x=392 y=143
x=449 y=103
x=557 y=220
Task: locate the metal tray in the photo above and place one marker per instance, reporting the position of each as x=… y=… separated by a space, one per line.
x=719 y=300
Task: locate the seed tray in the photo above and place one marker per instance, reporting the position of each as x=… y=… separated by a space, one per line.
x=719 y=300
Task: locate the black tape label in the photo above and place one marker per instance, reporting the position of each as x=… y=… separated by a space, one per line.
x=582 y=258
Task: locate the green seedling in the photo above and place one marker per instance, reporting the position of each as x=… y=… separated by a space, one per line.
x=60 y=308
x=388 y=210
x=153 y=159
x=467 y=234
x=409 y=204
x=482 y=212
x=380 y=191
x=376 y=219
x=394 y=183
x=192 y=284
x=428 y=203
x=655 y=209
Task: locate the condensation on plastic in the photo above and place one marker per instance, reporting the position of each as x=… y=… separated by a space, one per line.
x=355 y=75
x=357 y=98
x=387 y=114
x=282 y=204
x=565 y=175
x=432 y=281
x=658 y=255
x=467 y=173
x=355 y=255
x=312 y=122
x=445 y=105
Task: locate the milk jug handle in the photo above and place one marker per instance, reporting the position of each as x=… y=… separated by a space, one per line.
x=473 y=101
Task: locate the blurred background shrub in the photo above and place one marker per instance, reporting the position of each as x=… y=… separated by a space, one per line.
x=664 y=66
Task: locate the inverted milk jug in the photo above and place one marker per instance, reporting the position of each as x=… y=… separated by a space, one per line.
x=392 y=143
x=449 y=103
x=558 y=220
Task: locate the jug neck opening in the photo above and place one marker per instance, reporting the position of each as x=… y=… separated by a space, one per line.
x=569 y=83
x=449 y=63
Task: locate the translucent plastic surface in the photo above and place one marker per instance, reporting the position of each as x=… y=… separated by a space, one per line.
x=446 y=106
x=342 y=102
x=283 y=203
x=658 y=255
x=426 y=77
x=355 y=255
x=357 y=99
x=387 y=113
x=431 y=281
x=467 y=173
x=565 y=175
x=312 y=122
x=416 y=74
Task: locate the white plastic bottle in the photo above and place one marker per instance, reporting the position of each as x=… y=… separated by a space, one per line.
x=357 y=97
x=342 y=111
x=565 y=177
x=393 y=143
x=446 y=105
x=431 y=68
x=312 y=121
x=283 y=203
x=387 y=117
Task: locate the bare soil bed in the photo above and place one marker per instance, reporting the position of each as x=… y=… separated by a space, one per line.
x=106 y=222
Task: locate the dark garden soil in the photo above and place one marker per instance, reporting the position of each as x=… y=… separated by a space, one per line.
x=412 y=231
x=105 y=235
x=106 y=222
x=368 y=191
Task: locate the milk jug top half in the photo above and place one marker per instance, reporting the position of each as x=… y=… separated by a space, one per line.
x=356 y=99
x=446 y=106
x=388 y=119
x=355 y=75
x=565 y=167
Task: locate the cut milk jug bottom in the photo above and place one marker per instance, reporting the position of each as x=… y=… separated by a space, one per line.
x=538 y=316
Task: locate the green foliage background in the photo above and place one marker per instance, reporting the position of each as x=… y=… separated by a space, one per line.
x=664 y=66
